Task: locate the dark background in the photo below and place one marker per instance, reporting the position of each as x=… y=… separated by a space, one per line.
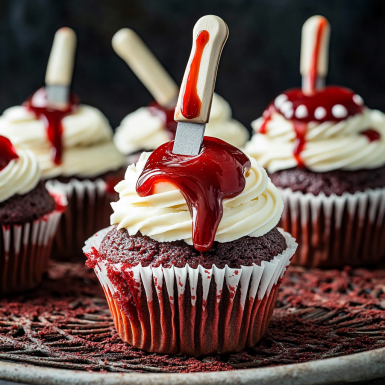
x=260 y=59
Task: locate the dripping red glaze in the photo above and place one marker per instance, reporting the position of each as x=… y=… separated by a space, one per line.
x=191 y=105
x=7 y=152
x=52 y=118
x=300 y=108
x=315 y=56
x=216 y=173
x=167 y=116
x=371 y=134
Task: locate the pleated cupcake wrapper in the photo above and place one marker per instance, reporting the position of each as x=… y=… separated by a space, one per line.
x=88 y=210
x=333 y=231
x=195 y=311
x=25 y=249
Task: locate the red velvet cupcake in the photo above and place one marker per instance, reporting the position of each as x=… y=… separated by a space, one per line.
x=325 y=151
x=29 y=216
x=196 y=287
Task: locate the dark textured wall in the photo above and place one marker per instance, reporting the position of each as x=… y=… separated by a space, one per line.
x=260 y=59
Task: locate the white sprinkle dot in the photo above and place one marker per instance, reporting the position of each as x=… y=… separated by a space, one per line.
x=289 y=113
x=279 y=100
x=339 y=111
x=301 y=112
x=286 y=107
x=358 y=100
x=319 y=113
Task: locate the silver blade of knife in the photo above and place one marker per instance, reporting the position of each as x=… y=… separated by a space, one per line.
x=57 y=96
x=188 y=138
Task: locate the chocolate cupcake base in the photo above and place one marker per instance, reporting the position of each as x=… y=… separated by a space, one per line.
x=335 y=231
x=89 y=209
x=193 y=311
x=25 y=249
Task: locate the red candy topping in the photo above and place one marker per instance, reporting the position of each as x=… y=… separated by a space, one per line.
x=52 y=119
x=167 y=116
x=191 y=105
x=330 y=104
x=7 y=152
x=216 y=173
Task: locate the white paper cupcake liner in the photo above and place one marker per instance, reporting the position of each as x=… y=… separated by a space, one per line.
x=193 y=311
x=25 y=249
x=88 y=210
x=333 y=231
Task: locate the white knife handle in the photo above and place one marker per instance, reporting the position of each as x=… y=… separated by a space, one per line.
x=131 y=48
x=314 y=52
x=61 y=60
x=218 y=33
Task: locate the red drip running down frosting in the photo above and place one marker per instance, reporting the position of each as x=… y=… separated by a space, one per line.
x=167 y=116
x=191 y=106
x=7 y=152
x=52 y=119
x=330 y=104
x=216 y=173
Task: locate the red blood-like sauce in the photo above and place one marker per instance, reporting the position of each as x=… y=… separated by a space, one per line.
x=301 y=108
x=217 y=172
x=52 y=119
x=371 y=134
x=167 y=115
x=191 y=105
x=7 y=152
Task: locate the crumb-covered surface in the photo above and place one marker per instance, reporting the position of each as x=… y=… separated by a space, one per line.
x=21 y=209
x=119 y=247
x=66 y=324
x=331 y=182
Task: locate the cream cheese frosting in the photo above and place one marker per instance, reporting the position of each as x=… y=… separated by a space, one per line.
x=142 y=130
x=87 y=140
x=329 y=145
x=20 y=176
x=165 y=217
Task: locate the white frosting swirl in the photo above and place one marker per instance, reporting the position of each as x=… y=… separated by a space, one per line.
x=87 y=141
x=329 y=145
x=20 y=176
x=165 y=217
x=142 y=130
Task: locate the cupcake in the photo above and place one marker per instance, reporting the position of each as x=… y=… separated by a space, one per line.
x=193 y=260
x=76 y=154
x=325 y=151
x=148 y=127
x=29 y=216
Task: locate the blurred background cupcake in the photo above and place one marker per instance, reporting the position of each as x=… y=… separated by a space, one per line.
x=325 y=150
x=148 y=127
x=29 y=216
x=73 y=145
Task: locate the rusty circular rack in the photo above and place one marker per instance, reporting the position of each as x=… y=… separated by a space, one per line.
x=65 y=323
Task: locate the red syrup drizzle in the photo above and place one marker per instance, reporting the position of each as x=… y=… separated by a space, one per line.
x=371 y=134
x=52 y=119
x=7 y=152
x=167 y=115
x=216 y=173
x=191 y=105
x=325 y=98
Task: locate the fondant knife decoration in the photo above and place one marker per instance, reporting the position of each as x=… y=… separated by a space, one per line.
x=60 y=68
x=194 y=103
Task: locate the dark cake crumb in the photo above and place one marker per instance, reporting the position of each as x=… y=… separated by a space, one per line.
x=331 y=182
x=20 y=209
x=117 y=246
